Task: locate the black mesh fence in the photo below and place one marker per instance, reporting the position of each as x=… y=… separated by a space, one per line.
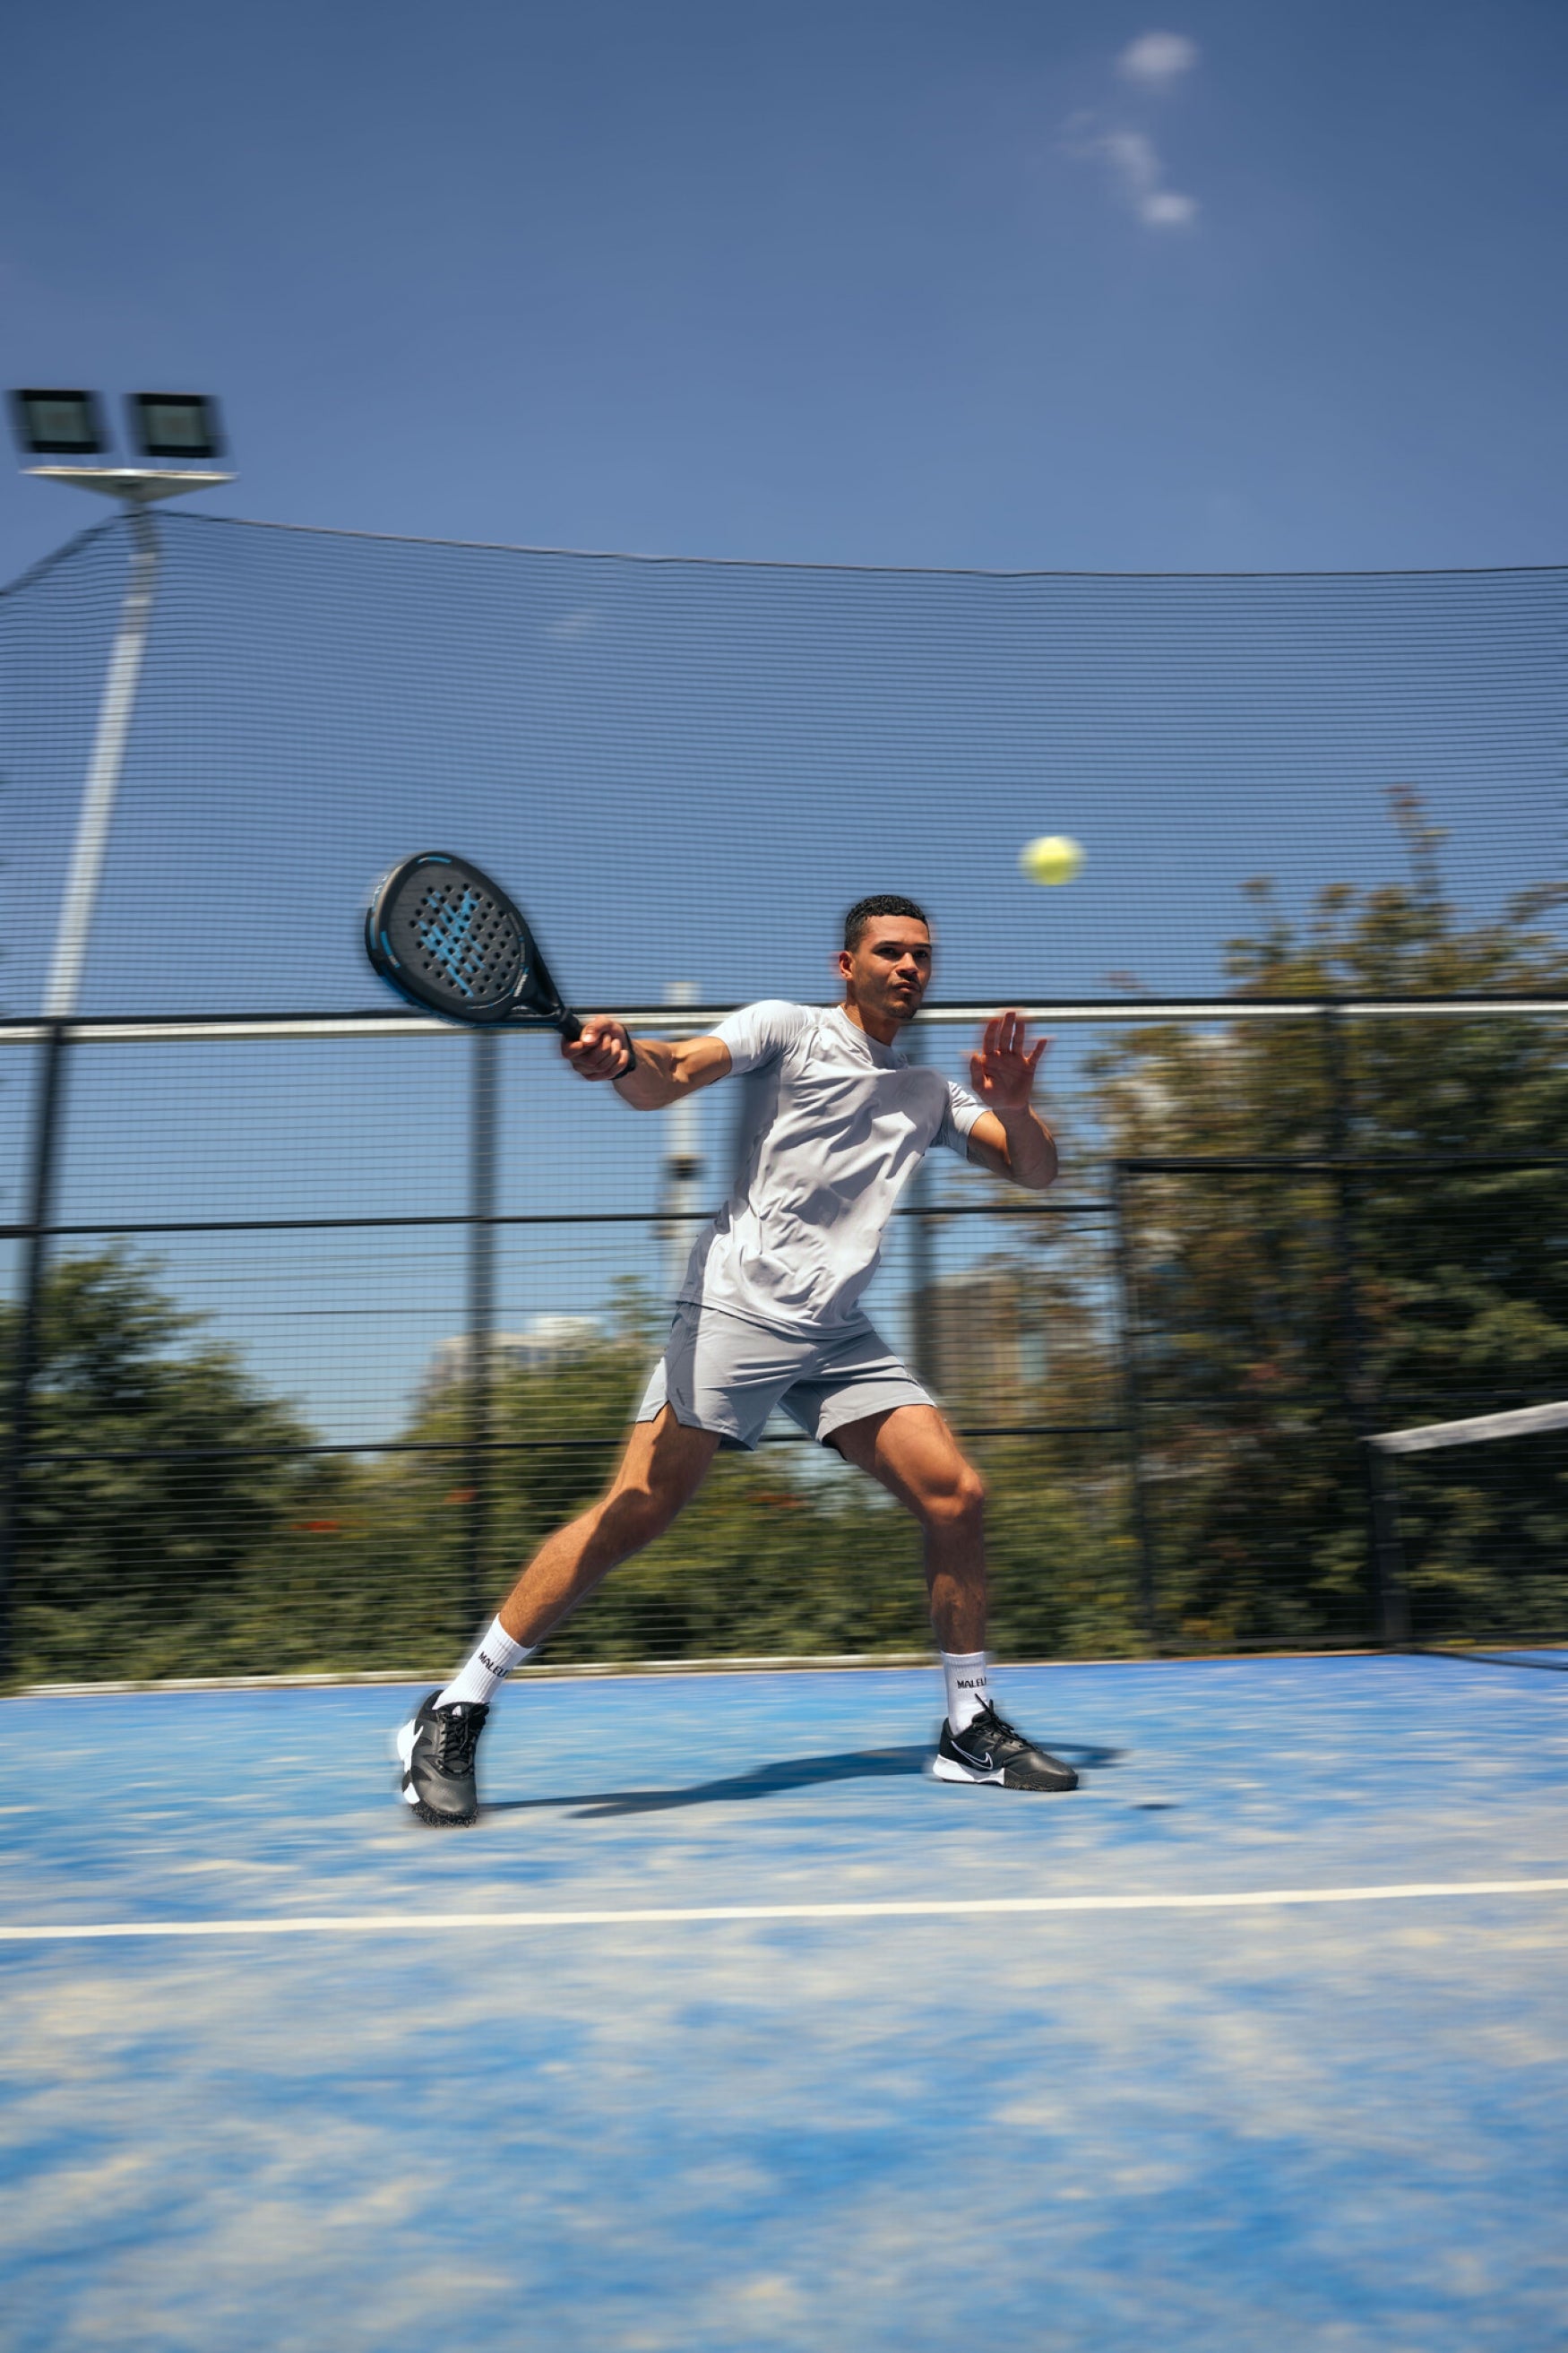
x=686 y=770
x=1478 y=1539
x=334 y=1317
x=258 y=1444
x=1296 y=1313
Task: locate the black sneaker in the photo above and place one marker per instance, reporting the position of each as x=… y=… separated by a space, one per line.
x=436 y=1747
x=990 y=1749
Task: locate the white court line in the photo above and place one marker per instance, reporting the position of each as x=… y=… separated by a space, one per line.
x=372 y=1924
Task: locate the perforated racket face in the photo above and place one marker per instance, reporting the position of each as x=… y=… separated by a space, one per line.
x=444 y=934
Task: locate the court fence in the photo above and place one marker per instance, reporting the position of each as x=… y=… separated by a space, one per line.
x=1171 y=1374
x=316 y=1319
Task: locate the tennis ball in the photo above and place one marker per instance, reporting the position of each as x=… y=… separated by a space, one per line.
x=1054 y=858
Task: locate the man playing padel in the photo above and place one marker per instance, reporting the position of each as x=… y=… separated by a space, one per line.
x=770 y=1315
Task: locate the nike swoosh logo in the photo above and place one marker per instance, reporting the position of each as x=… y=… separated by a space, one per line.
x=985 y=1764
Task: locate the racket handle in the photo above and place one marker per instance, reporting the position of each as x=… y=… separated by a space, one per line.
x=571 y=1029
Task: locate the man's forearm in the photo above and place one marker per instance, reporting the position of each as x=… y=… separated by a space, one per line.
x=1031 y=1149
x=652 y=1081
x=646 y=1072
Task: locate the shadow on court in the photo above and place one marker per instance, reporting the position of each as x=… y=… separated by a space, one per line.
x=767 y=1781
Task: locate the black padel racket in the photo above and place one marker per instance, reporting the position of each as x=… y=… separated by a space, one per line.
x=450 y=940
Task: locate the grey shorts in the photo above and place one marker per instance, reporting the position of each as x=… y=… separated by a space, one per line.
x=721 y=1373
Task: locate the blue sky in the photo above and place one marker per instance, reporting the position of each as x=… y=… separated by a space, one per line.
x=1240 y=286
x=997 y=284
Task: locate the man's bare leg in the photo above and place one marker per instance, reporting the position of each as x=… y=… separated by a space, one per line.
x=662 y=1468
x=912 y=1451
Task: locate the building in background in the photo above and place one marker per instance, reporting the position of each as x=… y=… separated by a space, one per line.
x=548 y=1340
x=984 y=1336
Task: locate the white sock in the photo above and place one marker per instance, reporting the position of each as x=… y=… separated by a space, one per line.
x=967 y=1690
x=481 y=1676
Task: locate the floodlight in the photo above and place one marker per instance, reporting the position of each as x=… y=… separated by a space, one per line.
x=166 y=424
x=176 y=424
x=57 y=424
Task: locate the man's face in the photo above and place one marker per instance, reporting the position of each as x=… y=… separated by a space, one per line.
x=887 y=972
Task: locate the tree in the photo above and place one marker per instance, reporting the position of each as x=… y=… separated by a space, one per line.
x=783 y=1552
x=155 y=1479
x=177 y=1520
x=1263 y=1365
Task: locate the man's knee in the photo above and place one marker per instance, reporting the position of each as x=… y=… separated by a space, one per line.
x=646 y=1496
x=664 y=1465
x=956 y=1501
x=637 y=1510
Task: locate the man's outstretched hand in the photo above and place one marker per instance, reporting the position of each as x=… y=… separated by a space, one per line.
x=1003 y=1072
x=604 y=1050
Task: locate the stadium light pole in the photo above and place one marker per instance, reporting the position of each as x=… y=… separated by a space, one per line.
x=69 y=424
x=55 y=424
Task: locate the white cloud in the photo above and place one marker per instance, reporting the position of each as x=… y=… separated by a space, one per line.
x=1166 y=209
x=1157 y=60
x=1136 y=168
x=1134 y=161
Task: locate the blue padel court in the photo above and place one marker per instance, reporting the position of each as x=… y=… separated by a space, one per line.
x=727 y=2027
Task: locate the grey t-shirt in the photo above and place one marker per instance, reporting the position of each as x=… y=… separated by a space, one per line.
x=841 y=1125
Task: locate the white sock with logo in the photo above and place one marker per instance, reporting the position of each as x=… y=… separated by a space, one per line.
x=481 y=1676
x=967 y=1691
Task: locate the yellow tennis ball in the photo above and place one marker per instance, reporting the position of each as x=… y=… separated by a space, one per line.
x=1054 y=858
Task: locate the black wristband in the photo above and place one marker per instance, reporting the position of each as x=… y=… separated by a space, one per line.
x=631 y=1057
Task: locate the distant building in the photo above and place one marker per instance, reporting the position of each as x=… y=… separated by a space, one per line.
x=548 y=1340
x=981 y=1334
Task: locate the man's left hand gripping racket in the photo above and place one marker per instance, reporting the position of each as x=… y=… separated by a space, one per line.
x=450 y=939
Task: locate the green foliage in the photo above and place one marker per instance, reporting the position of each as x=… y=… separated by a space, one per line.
x=170 y=1527
x=157 y=1479
x=776 y=1554
x=185 y=1554
x=1258 y=1381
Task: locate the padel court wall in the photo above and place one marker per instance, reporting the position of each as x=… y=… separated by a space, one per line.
x=319 y=1317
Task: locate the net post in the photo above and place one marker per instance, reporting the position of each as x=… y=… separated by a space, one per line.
x=1132 y=1407
x=29 y=1318
x=1388 y=1564
x=481 y=1316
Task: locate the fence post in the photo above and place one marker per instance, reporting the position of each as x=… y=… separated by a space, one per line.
x=24 y=1360
x=1132 y=1408
x=1389 y=1611
x=481 y=1315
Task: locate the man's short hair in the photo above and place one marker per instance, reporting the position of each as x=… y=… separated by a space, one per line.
x=866 y=911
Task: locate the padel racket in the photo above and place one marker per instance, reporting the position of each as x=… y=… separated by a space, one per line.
x=449 y=940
